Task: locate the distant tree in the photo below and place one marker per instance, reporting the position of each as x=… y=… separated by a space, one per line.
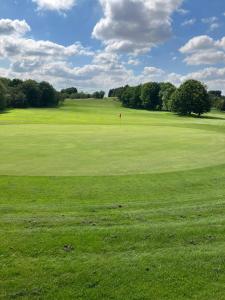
x=223 y=104
x=98 y=95
x=191 y=97
x=48 y=97
x=126 y=96
x=110 y=94
x=101 y=94
x=220 y=104
x=2 y=96
x=60 y=97
x=215 y=98
x=117 y=92
x=32 y=92
x=69 y=91
x=166 y=91
x=150 y=96
x=216 y=93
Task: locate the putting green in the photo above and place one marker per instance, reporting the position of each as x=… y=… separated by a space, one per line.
x=81 y=150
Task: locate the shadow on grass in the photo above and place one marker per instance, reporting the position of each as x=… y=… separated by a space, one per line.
x=3 y=112
x=213 y=118
x=201 y=117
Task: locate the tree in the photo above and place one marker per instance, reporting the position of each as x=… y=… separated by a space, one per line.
x=191 y=97
x=18 y=99
x=131 y=97
x=110 y=94
x=16 y=82
x=98 y=95
x=32 y=92
x=215 y=98
x=101 y=94
x=48 y=97
x=2 y=96
x=166 y=91
x=223 y=104
x=69 y=91
x=117 y=92
x=150 y=96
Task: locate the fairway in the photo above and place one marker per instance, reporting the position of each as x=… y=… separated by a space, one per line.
x=96 y=207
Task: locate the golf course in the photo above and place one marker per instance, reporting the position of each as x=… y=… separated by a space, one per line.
x=100 y=202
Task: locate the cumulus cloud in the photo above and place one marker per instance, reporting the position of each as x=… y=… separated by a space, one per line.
x=13 y=27
x=31 y=58
x=57 y=5
x=41 y=59
x=25 y=48
x=202 y=42
x=135 y=26
x=203 y=50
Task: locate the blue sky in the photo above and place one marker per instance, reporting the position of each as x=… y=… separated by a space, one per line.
x=99 y=44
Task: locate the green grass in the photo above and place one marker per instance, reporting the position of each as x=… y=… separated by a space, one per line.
x=141 y=202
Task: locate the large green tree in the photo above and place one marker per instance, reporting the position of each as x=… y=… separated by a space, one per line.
x=150 y=96
x=191 y=97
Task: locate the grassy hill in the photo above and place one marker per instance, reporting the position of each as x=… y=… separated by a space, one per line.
x=97 y=207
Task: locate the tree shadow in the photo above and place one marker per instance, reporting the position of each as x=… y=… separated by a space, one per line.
x=211 y=117
x=202 y=117
x=5 y=112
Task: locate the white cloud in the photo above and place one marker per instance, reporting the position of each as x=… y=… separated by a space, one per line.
x=201 y=42
x=182 y=11
x=134 y=62
x=45 y=60
x=13 y=27
x=189 y=22
x=15 y=48
x=203 y=50
x=209 y=20
x=213 y=23
x=210 y=57
x=57 y=5
x=153 y=72
x=135 y=26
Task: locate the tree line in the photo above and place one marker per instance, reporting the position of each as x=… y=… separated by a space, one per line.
x=73 y=93
x=190 y=97
x=16 y=93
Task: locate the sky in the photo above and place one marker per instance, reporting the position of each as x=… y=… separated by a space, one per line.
x=103 y=44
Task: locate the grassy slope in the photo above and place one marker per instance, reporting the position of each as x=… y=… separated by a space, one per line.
x=146 y=236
